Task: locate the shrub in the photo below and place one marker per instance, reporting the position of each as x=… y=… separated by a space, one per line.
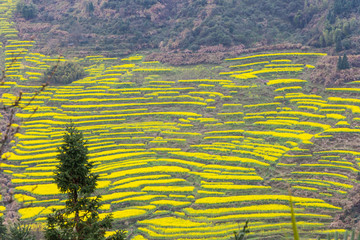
x=20 y=231
x=27 y=11
x=64 y=73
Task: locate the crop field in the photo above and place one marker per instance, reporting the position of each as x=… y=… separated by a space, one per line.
x=188 y=158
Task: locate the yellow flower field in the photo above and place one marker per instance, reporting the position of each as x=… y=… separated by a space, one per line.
x=185 y=158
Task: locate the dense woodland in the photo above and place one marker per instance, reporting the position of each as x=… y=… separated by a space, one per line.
x=123 y=26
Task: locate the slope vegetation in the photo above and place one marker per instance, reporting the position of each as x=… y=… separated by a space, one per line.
x=115 y=27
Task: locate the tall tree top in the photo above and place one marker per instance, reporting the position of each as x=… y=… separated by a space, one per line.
x=74 y=170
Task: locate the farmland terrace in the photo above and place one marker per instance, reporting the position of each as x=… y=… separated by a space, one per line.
x=189 y=152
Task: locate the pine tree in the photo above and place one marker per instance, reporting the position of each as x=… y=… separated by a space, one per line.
x=339 y=63
x=345 y=62
x=79 y=220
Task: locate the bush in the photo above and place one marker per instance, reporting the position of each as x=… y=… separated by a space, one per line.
x=119 y=235
x=241 y=235
x=64 y=73
x=2 y=228
x=27 y=11
x=20 y=231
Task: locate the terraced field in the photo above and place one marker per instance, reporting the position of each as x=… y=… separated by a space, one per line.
x=189 y=158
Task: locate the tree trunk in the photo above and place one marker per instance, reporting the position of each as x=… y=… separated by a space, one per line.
x=77 y=218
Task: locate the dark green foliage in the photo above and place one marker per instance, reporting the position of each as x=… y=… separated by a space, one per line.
x=338 y=24
x=343 y=63
x=73 y=174
x=241 y=22
x=27 y=11
x=20 y=231
x=119 y=235
x=299 y=20
x=64 y=73
x=241 y=235
x=214 y=34
x=339 y=63
x=335 y=33
x=89 y=7
x=343 y=7
x=331 y=17
x=80 y=218
x=338 y=45
x=2 y=228
x=115 y=4
x=192 y=24
x=187 y=24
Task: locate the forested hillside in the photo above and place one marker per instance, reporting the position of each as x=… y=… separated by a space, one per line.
x=115 y=27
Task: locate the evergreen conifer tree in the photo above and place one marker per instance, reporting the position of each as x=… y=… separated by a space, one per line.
x=345 y=62
x=79 y=220
x=339 y=63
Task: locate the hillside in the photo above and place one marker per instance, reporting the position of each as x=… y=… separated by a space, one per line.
x=179 y=155
x=115 y=28
x=187 y=152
